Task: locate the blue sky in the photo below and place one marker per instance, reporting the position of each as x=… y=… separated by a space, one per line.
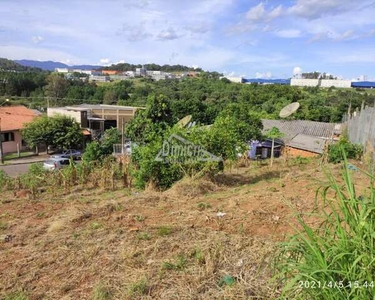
x=252 y=38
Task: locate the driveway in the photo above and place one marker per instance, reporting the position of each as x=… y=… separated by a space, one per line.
x=14 y=170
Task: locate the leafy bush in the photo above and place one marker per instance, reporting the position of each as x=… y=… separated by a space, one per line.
x=97 y=150
x=335 y=151
x=329 y=262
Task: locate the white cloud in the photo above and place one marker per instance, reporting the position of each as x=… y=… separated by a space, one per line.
x=198 y=27
x=135 y=33
x=275 y=13
x=266 y=75
x=259 y=14
x=37 y=39
x=288 y=33
x=104 y=61
x=256 y=13
x=313 y=9
x=169 y=34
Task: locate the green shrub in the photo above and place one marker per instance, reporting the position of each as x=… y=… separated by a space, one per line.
x=34 y=178
x=322 y=263
x=335 y=153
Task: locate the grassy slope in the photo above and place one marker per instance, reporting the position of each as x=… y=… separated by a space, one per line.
x=93 y=244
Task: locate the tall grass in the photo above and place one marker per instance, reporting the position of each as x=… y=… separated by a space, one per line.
x=106 y=174
x=337 y=259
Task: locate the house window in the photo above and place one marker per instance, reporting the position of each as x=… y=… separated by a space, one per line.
x=7 y=137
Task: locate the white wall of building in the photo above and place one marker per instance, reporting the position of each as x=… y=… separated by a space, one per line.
x=62 y=70
x=234 y=79
x=336 y=83
x=53 y=111
x=304 y=82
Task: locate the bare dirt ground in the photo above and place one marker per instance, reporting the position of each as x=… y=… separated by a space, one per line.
x=199 y=240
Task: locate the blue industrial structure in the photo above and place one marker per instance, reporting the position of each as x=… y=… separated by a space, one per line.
x=354 y=84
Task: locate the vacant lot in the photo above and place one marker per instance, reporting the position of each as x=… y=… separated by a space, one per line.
x=202 y=239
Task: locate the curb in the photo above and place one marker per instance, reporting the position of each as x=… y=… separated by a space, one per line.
x=21 y=163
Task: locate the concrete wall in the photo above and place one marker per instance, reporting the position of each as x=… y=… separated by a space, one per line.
x=327 y=83
x=304 y=82
x=76 y=115
x=336 y=83
x=11 y=146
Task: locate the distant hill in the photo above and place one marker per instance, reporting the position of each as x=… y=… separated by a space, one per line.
x=10 y=65
x=51 y=65
x=151 y=67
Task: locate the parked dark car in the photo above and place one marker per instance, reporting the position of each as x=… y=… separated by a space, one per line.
x=70 y=153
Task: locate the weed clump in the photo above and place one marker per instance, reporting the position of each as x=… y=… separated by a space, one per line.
x=336 y=260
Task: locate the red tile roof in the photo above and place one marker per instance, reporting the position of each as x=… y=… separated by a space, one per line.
x=14 y=117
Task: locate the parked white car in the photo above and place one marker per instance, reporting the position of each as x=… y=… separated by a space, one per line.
x=70 y=153
x=56 y=163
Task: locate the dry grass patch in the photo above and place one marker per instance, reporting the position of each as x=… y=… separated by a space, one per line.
x=188 y=187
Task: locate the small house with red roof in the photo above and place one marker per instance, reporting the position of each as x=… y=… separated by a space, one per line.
x=12 y=120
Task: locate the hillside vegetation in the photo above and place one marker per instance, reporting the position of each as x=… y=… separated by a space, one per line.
x=203 y=97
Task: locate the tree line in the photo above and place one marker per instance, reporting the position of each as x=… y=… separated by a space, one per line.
x=203 y=97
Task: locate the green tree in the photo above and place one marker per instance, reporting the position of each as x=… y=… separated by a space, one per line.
x=66 y=132
x=59 y=131
x=56 y=87
x=97 y=150
x=273 y=133
x=38 y=132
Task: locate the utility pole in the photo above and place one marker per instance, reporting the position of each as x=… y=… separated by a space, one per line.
x=1 y=145
x=1 y=138
x=122 y=136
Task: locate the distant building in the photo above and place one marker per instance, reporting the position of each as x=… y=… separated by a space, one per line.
x=96 y=118
x=129 y=73
x=338 y=83
x=99 y=78
x=141 y=71
x=110 y=72
x=13 y=119
x=304 y=82
x=62 y=70
x=234 y=79
x=158 y=77
x=327 y=83
x=119 y=77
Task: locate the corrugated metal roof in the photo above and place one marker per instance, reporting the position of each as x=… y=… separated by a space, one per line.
x=302 y=134
x=308 y=142
x=310 y=128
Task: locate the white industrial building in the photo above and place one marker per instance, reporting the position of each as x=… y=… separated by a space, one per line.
x=336 y=83
x=234 y=79
x=62 y=70
x=99 y=78
x=140 y=71
x=326 y=83
x=304 y=82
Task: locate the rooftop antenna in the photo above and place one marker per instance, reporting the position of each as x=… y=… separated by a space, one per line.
x=184 y=121
x=289 y=110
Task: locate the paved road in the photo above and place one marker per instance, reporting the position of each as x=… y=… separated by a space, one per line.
x=14 y=170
